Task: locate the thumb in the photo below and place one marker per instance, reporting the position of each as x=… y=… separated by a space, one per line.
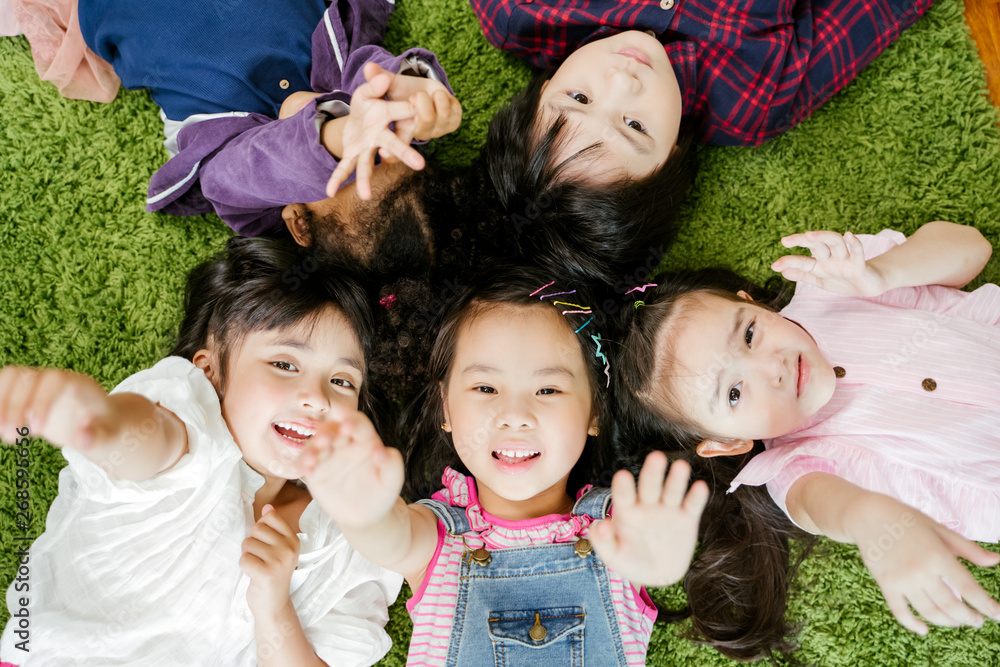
x=267 y=509
x=372 y=70
x=602 y=536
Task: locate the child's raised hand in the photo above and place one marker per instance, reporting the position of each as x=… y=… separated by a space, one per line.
x=270 y=554
x=919 y=566
x=366 y=130
x=651 y=536
x=353 y=476
x=837 y=264
x=63 y=407
x=437 y=112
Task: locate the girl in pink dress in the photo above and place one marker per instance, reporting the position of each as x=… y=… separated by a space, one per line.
x=874 y=391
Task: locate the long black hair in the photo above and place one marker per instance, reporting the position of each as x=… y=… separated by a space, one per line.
x=265 y=284
x=429 y=449
x=606 y=229
x=737 y=586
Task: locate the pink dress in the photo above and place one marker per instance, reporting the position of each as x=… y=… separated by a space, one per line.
x=916 y=414
x=52 y=27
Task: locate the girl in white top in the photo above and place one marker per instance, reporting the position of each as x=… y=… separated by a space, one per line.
x=181 y=534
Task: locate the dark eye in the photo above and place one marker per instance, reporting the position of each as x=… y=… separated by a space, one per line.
x=580 y=97
x=283 y=365
x=548 y=391
x=734 y=395
x=343 y=382
x=635 y=125
x=748 y=336
x=486 y=389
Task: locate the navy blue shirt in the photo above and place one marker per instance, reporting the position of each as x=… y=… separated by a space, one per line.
x=206 y=57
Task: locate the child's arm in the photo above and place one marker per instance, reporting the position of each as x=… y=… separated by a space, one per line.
x=939 y=253
x=126 y=434
x=356 y=480
x=911 y=557
x=270 y=554
x=651 y=537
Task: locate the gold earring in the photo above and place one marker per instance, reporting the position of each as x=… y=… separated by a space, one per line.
x=444 y=426
x=595 y=431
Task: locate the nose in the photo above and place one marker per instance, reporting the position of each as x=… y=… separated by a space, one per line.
x=621 y=80
x=772 y=368
x=514 y=413
x=316 y=395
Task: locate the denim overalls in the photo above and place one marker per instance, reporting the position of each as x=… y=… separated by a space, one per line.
x=545 y=606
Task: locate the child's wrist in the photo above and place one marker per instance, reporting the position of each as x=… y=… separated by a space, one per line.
x=332 y=136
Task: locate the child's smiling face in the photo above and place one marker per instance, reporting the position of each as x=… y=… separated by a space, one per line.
x=622 y=93
x=518 y=405
x=282 y=383
x=740 y=371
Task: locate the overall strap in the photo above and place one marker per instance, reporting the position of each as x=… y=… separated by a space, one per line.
x=594 y=503
x=453 y=518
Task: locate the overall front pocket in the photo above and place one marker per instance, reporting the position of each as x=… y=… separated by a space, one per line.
x=538 y=637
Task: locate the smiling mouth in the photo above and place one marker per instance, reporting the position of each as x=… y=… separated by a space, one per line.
x=513 y=457
x=295 y=434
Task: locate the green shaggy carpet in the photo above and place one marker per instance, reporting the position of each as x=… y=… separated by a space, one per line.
x=89 y=281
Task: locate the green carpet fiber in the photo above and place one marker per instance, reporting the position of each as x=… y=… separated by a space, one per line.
x=91 y=282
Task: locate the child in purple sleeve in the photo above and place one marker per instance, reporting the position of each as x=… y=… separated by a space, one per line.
x=222 y=77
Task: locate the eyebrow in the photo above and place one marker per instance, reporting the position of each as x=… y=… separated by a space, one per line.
x=299 y=345
x=713 y=400
x=637 y=145
x=549 y=370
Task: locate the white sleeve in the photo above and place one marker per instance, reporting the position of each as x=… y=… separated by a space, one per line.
x=181 y=387
x=342 y=599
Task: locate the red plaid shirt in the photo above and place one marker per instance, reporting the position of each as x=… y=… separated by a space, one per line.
x=748 y=69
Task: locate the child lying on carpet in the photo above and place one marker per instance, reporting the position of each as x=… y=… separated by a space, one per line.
x=874 y=392
x=181 y=534
x=628 y=85
x=501 y=560
x=221 y=77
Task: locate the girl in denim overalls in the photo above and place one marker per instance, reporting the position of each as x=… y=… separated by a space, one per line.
x=506 y=563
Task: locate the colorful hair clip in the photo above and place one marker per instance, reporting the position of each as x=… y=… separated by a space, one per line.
x=639 y=289
x=639 y=303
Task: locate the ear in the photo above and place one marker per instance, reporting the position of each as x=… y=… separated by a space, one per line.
x=205 y=360
x=444 y=407
x=710 y=448
x=743 y=295
x=296 y=224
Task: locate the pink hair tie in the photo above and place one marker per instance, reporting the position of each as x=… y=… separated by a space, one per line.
x=387 y=302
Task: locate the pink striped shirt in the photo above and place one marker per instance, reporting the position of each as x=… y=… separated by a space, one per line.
x=916 y=414
x=432 y=606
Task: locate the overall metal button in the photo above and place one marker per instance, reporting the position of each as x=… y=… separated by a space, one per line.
x=929 y=384
x=583 y=547
x=537 y=631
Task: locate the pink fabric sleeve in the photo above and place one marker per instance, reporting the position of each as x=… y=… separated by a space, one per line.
x=52 y=27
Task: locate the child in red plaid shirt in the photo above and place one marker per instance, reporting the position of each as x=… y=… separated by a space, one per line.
x=635 y=81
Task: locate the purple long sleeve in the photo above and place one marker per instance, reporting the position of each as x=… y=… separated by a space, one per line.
x=246 y=168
